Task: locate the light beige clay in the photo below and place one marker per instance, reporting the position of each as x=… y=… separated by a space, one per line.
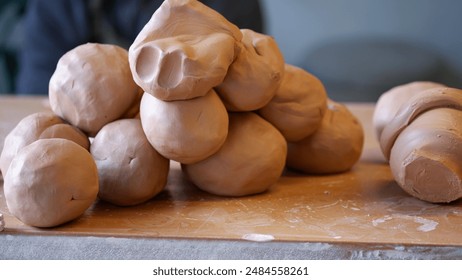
x=50 y=182
x=299 y=105
x=92 y=86
x=410 y=110
x=186 y=131
x=38 y=126
x=335 y=147
x=130 y=170
x=254 y=76
x=134 y=108
x=250 y=161
x=423 y=143
x=183 y=51
x=389 y=102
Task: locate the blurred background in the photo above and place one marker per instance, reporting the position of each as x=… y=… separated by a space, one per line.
x=357 y=48
x=360 y=48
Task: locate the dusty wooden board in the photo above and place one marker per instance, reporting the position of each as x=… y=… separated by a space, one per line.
x=361 y=206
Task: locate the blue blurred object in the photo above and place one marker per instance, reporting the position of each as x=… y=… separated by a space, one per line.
x=11 y=13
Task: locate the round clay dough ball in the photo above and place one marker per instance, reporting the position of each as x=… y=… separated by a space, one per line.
x=38 y=126
x=335 y=147
x=426 y=158
x=255 y=74
x=50 y=182
x=130 y=170
x=389 y=102
x=92 y=86
x=250 y=161
x=186 y=131
x=299 y=105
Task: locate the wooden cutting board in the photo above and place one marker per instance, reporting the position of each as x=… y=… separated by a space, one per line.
x=363 y=205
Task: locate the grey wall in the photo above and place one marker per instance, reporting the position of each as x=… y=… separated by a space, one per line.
x=300 y=25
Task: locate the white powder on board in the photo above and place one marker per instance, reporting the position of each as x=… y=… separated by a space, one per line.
x=257 y=237
x=426 y=225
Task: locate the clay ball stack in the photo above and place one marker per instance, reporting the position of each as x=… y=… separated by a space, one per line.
x=192 y=88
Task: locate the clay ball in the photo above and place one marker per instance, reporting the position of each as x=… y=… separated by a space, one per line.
x=50 y=182
x=255 y=74
x=299 y=105
x=183 y=51
x=130 y=170
x=335 y=147
x=38 y=126
x=250 y=161
x=92 y=86
x=186 y=131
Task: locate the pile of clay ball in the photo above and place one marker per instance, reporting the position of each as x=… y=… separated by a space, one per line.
x=194 y=89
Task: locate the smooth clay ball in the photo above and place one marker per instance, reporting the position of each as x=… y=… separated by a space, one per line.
x=249 y=162
x=50 y=182
x=335 y=147
x=186 y=131
x=255 y=74
x=38 y=126
x=92 y=86
x=389 y=102
x=299 y=105
x=130 y=170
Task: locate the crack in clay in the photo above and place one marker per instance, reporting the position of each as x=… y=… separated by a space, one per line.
x=426 y=225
